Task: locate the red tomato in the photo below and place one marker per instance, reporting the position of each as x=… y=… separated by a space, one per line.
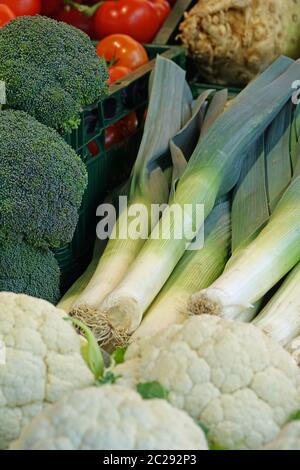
x=75 y=18
x=128 y=125
x=113 y=136
x=137 y=18
x=162 y=8
x=116 y=133
x=116 y=72
x=24 y=7
x=6 y=14
x=123 y=50
x=93 y=148
x=50 y=7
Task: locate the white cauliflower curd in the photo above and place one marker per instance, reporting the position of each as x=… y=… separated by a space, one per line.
x=111 y=417
x=42 y=361
x=287 y=439
x=229 y=375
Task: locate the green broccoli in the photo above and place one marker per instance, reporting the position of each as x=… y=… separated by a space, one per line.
x=29 y=270
x=51 y=70
x=42 y=181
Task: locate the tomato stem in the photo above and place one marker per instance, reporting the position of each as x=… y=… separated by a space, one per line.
x=85 y=9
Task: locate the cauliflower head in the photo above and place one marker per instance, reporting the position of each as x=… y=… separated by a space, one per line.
x=110 y=417
x=293 y=347
x=229 y=375
x=42 y=363
x=287 y=439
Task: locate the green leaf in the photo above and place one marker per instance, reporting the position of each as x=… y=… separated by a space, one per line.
x=250 y=210
x=118 y=356
x=91 y=352
x=150 y=390
x=108 y=378
x=213 y=446
x=295 y=416
x=203 y=427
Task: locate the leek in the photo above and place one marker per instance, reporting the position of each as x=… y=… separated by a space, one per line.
x=266 y=260
x=212 y=171
x=266 y=173
x=196 y=269
x=148 y=185
x=280 y=319
x=81 y=283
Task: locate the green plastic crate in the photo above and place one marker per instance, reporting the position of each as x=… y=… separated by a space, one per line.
x=169 y=30
x=198 y=88
x=111 y=166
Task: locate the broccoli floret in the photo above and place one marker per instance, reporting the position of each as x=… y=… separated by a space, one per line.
x=51 y=70
x=42 y=181
x=29 y=270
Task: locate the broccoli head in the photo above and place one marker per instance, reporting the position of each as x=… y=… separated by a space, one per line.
x=51 y=70
x=42 y=181
x=29 y=270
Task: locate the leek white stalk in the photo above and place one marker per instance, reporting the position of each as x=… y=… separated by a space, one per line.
x=212 y=171
x=280 y=319
x=260 y=265
x=81 y=283
x=196 y=269
x=148 y=186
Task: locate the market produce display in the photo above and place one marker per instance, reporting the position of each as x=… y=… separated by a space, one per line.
x=51 y=70
x=229 y=375
x=111 y=417
x=232 y=41
x=43 y=361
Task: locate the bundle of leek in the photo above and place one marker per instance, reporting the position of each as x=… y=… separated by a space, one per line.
x=148 y=185
x=212 y=171
x=259 y=266
x=266 y=173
